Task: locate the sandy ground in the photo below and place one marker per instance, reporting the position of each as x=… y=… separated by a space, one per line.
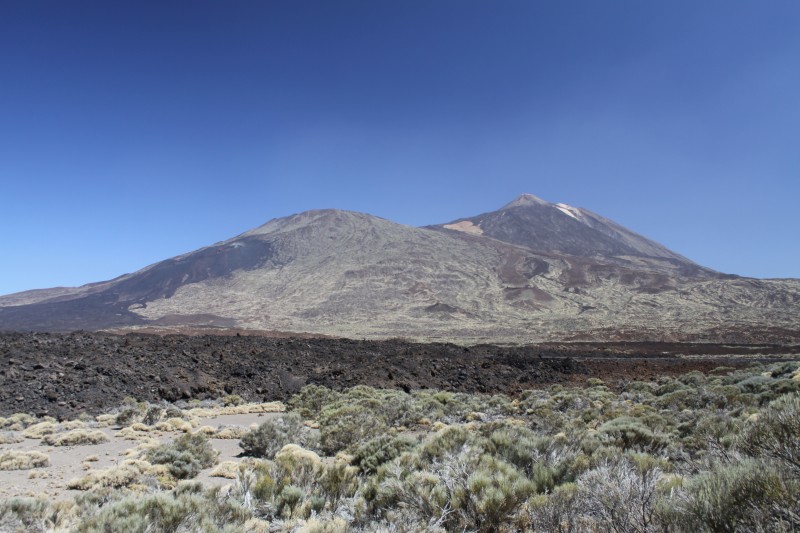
x=67 y=462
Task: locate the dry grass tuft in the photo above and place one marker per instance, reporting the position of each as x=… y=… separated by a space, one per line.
x=37 y=431
x=295 y=452
x=243 y=409
x=14 y=460
x=176 y=424
x=137 y=431
x=226 y=469
x=72 y=424
x=76 y=437
x=105 y=421
x=17 y=421
x=127 y=474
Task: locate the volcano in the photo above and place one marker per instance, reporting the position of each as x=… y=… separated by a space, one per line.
x=530 y=271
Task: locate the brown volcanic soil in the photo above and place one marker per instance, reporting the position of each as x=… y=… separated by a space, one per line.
x=64 y=374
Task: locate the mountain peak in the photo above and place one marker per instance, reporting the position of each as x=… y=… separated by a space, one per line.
x=526 y=199
x=542 y=226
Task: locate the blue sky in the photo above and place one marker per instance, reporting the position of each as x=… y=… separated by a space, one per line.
x=134 y=131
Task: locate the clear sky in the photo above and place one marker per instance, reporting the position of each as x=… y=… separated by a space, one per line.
x=133 y=131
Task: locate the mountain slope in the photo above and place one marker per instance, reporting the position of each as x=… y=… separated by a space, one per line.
x=351 y=274
x=539 y=225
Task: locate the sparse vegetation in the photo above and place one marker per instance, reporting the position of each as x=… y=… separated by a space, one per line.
x=14 y=460
x=272 y=435
x=186 y=456
x=75 y=437
x=700 y=452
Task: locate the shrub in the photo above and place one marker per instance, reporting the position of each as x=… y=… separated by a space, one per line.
x=186 y=509
x=124 y=475
x=621 y=495
x=545 y=460
x=337 y=481
x=127 y=416
x=172 y=412
x=345 y=424
x=776 y=433
x=17 y=421
x=231 y=400
x=630 y=433
x=295 y=465
x=448 y=441
x=273 y=435
x=380 y=450
x=459 y=492
x=185 y=456
x=37 y=431
x=24 y=515
x=153 y=416
x=15 y=460
x=311 y=399
x=75 y=438
x=230 y=432
x=717 y=429
x=748 y=496
x=557 y=511
x=397 y=408
x=288 y=500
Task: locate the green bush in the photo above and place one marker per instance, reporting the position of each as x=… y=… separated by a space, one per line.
x=127 y=416
x=776 y=433
x=459 y=492
x=448 y=441
x=557 y=511
x=289 y=499
x=336 y=481
x=186 y=510
x=173 y=412
x=185 y=456
x=754 y=384
x=621 y=495
x=272 y=435
x=153 y=416
x=748 y=496
x=343 y=425
x=380 y=450
x=544 y=460
x=630 y=433
x=232 y=399
x=311 y=399
x=24 y=515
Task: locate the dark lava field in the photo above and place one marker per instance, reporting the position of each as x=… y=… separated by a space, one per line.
x=64 y=374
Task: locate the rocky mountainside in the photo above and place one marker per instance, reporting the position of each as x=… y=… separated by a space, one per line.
x=530 y=271
x=560 y=228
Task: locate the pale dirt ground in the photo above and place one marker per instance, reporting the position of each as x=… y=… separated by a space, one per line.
x=66 y=462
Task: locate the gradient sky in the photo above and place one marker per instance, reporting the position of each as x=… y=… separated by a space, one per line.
x=135 y=131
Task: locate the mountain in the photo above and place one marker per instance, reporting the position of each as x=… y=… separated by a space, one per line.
x=529 y=271
x=560 y=228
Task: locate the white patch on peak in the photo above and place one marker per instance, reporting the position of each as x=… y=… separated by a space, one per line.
x=569 y=211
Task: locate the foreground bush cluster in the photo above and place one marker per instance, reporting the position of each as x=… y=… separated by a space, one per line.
x=716 y=452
